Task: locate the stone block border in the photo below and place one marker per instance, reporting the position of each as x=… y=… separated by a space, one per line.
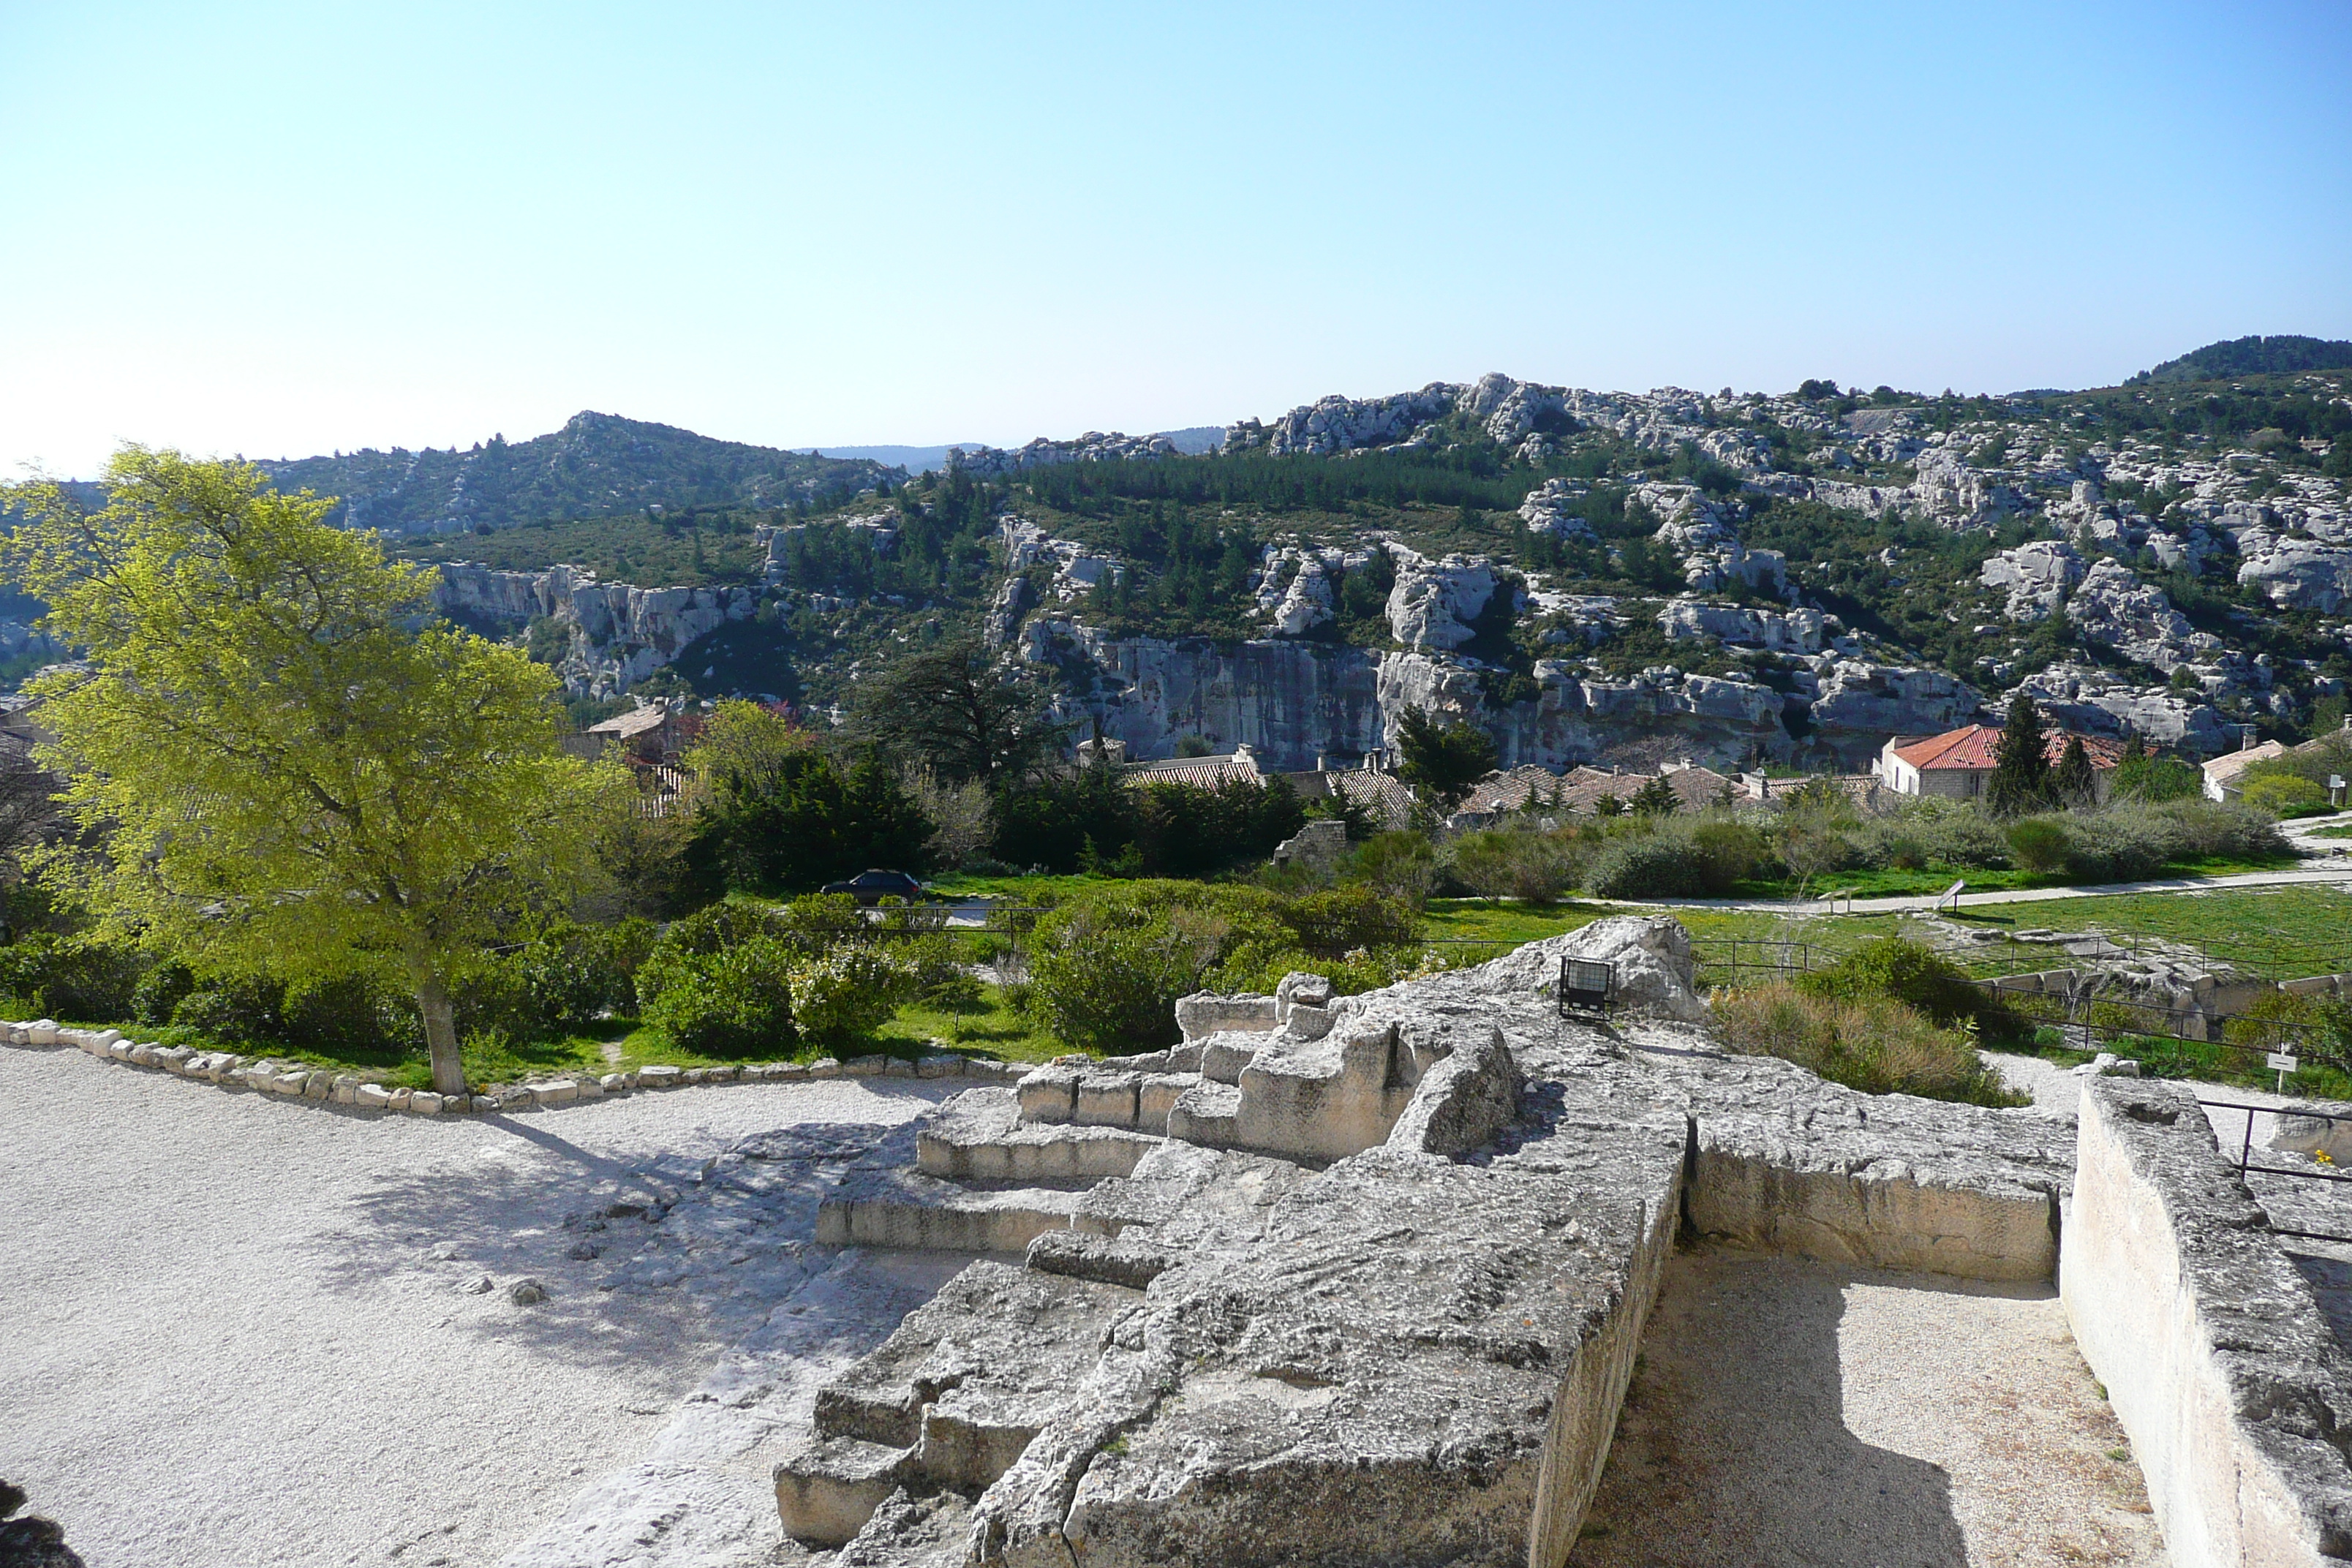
x=297 y=1080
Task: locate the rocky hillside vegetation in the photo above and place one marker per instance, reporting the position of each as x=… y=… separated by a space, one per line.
x=1741 y=578
x=598 y=464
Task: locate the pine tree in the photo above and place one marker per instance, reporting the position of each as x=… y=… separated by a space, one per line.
x=2020 y=767
x=1657 y=797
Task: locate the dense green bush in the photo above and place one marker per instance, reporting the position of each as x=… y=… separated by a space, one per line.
x=2125 y=843
x=1518 y=863
x=1646 y=865
x=1400 y=864
x=1106 y=967
x=1342 y=920
x=730 y=1003
x=848 y=991
x=2285 y=795
x=2039 y=843
x=1916 y=975
x=71 y=977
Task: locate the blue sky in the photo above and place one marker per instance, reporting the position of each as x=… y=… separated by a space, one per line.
x=280 y=229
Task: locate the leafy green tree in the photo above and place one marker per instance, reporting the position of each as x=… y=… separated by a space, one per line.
x=2020 y=766
x=784 y=815
x=950 y=708
x=1442 y=763
x=300 y=772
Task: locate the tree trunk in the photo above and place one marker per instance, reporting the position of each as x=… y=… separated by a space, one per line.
x=440 y=1032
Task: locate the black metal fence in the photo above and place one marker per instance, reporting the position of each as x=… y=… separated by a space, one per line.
x=1732 y=962
x=2313 y=1172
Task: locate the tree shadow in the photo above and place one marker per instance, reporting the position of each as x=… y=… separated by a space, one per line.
x=1732 y=1448
x=640 y=1257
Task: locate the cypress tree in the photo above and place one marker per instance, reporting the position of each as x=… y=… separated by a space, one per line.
x=2075 y=782
x=2020 y=763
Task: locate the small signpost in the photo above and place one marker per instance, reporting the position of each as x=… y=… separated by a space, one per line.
x=2282 y=1064
x=1950 y=897
x=2336 y=789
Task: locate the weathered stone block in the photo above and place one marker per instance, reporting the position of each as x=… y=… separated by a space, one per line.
x=827 y=1492
x=1049 y=1094
x=978 y=1136
x=907 y=1208
x=1205 y=1013
x=1207 y=1113
x=1105 y=1099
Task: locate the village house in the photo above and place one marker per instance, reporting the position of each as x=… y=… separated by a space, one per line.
x=1956 y=764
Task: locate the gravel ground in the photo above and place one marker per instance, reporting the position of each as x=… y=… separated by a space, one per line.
x=253 y=1332
x=1806 y=1415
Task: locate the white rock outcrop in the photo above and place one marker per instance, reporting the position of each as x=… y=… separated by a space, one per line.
x=2036 y=576
x=1795 y=631
x=620 y=634
x=1435 y=603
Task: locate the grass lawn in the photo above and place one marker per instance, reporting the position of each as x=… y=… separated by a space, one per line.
x=2277 y=932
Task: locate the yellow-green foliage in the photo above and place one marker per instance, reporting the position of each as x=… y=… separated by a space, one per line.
x=300 y=768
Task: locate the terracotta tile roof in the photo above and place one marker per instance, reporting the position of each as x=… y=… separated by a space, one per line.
x=1971 y=747
x=1207 y=771
x=1513 y=790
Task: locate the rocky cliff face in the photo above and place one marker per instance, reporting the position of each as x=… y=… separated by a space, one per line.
x=620 y=634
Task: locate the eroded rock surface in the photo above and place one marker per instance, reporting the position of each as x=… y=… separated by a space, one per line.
x=1375 y=1295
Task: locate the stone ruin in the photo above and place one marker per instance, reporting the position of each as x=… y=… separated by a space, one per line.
x=1360 y=1280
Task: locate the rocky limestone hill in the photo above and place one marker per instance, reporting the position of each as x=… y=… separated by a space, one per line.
x=1590 y=577
x=598 y=464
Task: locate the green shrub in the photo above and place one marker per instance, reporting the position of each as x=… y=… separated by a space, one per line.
x=1958 y=835
x=72 y=977
x=1106 y=967
x=733 y=1002
x=1662 y=865
x=1873 y=1044
x=1402 y=866
x=846 y=993
x=2040 y=844
x=2127 y=842
x=1900 y=970
x=2283 y=794
x=235 y=1008
x=160 y=991
x=815 y=922
x=1342 y=919
x=1729 y=852
x=1518 y=863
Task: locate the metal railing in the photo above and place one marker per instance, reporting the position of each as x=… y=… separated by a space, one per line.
x=1730 y=962
x=2246 y=1153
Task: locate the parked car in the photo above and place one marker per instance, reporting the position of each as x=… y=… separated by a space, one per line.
x=870 y=888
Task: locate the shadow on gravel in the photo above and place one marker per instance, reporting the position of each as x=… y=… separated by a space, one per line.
x=634 y=1254
x=1733 y=1449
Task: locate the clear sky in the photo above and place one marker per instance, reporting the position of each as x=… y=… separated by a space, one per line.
x=278 y=229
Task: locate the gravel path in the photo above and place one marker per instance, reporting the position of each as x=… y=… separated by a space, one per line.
x=1805 y=1415
x=243 y=1332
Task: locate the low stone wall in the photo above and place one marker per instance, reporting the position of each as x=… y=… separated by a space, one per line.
x=301 y=1081
x=2211 y=1345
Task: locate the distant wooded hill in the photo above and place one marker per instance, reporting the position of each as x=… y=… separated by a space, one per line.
x=597 y=465
x=2281 y=353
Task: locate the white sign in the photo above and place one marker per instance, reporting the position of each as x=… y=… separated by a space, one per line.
x=2279 y=1061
